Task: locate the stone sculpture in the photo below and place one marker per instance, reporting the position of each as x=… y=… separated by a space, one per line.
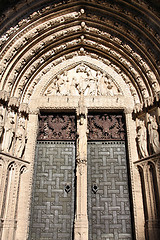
x=82 y=130
x=84 y=79
x=153 y=135
x=142 y=139
x=20 y=138
x=9 y=131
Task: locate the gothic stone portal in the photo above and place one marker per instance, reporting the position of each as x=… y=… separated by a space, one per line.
x=54 y=204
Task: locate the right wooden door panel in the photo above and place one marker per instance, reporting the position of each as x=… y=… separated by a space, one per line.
x=108 y=195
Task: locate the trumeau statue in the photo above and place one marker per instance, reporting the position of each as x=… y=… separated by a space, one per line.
x=153 y=134
x=9 y=131
x=20 y=138
x=82 y=130
x=142 y=139
x=84 y=79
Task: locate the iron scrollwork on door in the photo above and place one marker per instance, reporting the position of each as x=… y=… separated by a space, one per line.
x=106 y=127
x=57 y=127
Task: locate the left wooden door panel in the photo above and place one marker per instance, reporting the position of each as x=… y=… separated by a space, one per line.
x=52 y=214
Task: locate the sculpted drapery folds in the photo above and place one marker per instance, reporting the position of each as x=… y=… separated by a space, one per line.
x=21 y=138
x=91 y=81
x=9 y=131
x=81 y=130
x=142 y=139
x=153 y=135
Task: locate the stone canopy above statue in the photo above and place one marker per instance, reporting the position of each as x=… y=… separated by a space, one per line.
x=83 y=79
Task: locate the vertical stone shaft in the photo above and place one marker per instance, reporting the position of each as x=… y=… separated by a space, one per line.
x=81 y=218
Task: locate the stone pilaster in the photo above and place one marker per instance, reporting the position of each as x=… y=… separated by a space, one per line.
x=81 y=218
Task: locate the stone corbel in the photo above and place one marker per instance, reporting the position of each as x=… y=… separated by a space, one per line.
x=23 y=109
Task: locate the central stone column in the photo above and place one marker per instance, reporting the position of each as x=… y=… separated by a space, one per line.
x=81 y=218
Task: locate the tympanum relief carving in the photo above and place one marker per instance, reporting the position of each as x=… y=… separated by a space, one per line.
x=83 y=79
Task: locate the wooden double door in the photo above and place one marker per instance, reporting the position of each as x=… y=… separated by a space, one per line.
x=55 y=185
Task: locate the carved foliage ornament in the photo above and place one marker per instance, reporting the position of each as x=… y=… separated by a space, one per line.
x=57 y=127
x=106 y=127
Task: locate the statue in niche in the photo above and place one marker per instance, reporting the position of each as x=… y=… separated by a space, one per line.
x=20 y=138
x=9 y=131
x=82 y=130
x=142 y=139
x=153 y=135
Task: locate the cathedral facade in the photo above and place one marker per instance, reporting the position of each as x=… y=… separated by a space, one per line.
x=80 y=120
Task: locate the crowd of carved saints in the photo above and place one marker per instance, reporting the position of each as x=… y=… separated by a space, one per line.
x=82 y=79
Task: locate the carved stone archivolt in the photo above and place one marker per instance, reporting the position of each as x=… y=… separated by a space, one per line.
x=57 y=127
x=83 y=78
x=106 y=127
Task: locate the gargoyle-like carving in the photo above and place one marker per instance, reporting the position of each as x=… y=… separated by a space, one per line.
x=57 y=127
x=106 y=127
x=83 y=78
